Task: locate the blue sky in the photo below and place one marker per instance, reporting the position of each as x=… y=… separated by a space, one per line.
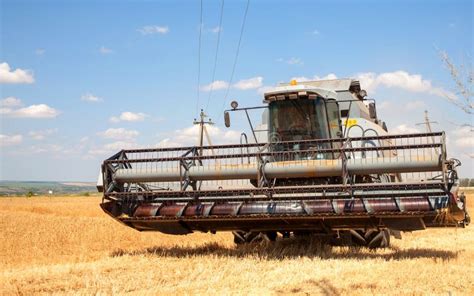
x=95 y=76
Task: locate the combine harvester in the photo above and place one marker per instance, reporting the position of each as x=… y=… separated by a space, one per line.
x=324 y=165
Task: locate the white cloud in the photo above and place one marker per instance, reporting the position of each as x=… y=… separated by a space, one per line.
x=46 y=148
x=119 y=134
x=128 y=116
x=88 y=97
x=53 y=150
x=10 y=102
x=294 y=61
x=404 y=129
x=113 y=147
x=264 y=89
x=6 y=140
x=42 y=134
x=291 y=61
x=330 y=76
x=5 y=111
x=244 y=84
x=400 y=79
x=9 y=76
x=10 y=107
x=371 y=81
x=464 y=137
x=153 y=29
x=78 y=148
x=215 y=30
x=105 y=50
x=302 y=78
x=415 y=105
x=250 y=83
x=462 y=131
x=40 y=51
x=216 y=85
x=466 y=141
x=189 y=136
x=315 y=32
x=33 y=111
x=384 y=105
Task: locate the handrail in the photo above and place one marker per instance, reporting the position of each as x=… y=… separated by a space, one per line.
x=398 y=136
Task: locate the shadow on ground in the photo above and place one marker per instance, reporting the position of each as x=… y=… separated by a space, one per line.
x=290 y=249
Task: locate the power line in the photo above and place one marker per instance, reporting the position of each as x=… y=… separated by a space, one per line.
x=215 y=57
x=236 y=54
x=199 y=62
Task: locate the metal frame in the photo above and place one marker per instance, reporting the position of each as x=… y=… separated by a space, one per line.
x=191 y=207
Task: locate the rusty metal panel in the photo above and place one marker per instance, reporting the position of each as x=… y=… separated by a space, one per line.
x=320 y=206
x=286 y=208
x=225 y=209
x=349 y=206
x=195 y=210
x=254 y=208
x=414 y=204
x=171 y=210
x=381 y=205
x=147 y=210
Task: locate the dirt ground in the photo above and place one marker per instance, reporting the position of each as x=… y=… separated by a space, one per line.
x=66 y=245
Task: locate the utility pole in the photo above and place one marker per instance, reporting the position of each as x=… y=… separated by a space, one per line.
x=427 y=123
x=202 y=129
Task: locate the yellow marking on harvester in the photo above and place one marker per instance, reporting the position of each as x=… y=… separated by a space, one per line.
x=350 y=122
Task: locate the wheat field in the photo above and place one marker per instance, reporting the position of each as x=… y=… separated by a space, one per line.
x=66 y=245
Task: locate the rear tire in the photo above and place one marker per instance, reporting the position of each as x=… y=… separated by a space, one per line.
x=239 y=237
x=358 y=238
x=373 y=239
x=272 y=235
x=248 y=237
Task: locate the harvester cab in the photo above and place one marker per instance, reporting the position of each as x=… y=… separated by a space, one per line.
x=321 y=163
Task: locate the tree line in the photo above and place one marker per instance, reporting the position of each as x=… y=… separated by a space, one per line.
x=466 y=182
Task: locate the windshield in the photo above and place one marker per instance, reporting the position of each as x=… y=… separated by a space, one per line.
x=304 y=119
x=295 y=120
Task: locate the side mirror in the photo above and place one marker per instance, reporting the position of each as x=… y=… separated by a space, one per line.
x=227 y=119
x=372 y=111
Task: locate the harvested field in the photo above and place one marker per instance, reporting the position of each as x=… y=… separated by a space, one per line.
x=65 y=245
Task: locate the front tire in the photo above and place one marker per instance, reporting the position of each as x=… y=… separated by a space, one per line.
x=378 y=239
x=373 y=239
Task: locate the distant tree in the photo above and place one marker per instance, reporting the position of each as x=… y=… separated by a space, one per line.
x=471 y=183
x=464 y=182
x=29 y=194
x=462 y=76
